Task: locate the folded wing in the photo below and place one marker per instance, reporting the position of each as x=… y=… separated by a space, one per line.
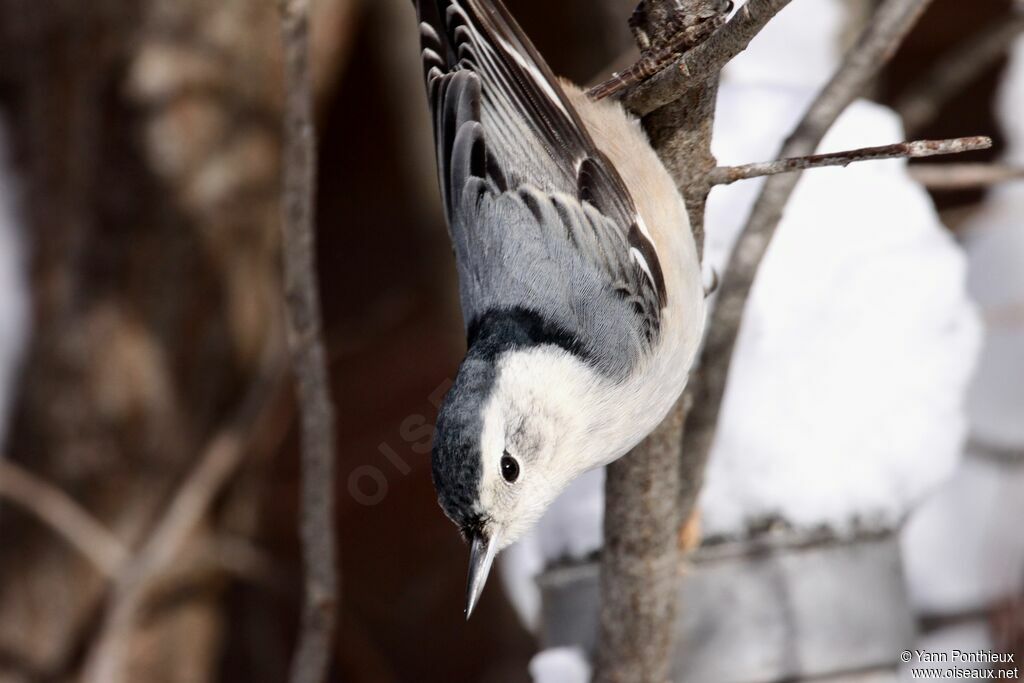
x=538 y=215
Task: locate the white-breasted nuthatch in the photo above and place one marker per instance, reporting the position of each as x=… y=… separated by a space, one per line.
x=578 y=275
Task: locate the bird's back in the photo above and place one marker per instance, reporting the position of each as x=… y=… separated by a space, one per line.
x=661 y=207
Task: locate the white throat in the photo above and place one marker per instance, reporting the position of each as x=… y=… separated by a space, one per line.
x=599 y=419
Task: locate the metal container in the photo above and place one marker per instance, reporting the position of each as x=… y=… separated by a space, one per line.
x=783 y=608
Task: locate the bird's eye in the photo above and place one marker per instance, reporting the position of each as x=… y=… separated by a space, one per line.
x=509 y=468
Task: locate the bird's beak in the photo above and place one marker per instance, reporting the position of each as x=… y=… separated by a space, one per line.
x=481 y=556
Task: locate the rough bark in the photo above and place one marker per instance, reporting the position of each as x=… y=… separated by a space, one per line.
x=640 y=560
x=706 y=60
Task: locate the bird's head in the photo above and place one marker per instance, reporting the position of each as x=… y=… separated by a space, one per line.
x=503 y=450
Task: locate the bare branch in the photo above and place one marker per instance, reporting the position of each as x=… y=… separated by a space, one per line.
x=134 y=583
x=921 y=104
x=704 y=61
x=305 y=339
x=725 y=175
x=67 y=518
x=652 y=61
x=876 y=45
x=964 y=176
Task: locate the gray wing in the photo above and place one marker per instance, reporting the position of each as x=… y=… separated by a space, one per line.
x=538 y=215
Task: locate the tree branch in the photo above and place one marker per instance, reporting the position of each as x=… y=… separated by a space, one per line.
x=726 y=175
x=964 y=176
x=640 y=560
x=653 y=61
x=63 y=515
x=703 y=61
x=318 y=533
x=876 y=45
x=922 y=103
x=641 y=556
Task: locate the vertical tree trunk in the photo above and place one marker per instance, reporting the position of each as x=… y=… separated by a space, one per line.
x=641 y=557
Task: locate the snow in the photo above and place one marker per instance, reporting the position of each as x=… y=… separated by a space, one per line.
x=844 y=400
x=560 y=665
x=13 y=288
x=841 y=409
x=787 y=53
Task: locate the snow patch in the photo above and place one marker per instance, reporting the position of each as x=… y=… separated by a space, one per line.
x=560 y=665
x=844 y=400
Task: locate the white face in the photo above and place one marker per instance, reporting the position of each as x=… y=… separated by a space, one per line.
x=530 y=445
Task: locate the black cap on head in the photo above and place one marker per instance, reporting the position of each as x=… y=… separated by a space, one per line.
x=456 y=460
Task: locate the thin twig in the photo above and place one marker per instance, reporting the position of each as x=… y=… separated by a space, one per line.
x=63 y=515
x=876 y=45
x=964 y=176
x=312 y=655
x=922 y=103
x=725 y=175
x=220 y=459
x=652 y=61
x=704 y=61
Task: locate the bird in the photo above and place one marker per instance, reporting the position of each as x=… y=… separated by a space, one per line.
x=579 y=278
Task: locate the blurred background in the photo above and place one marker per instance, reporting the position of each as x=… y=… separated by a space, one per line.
x=148 y=468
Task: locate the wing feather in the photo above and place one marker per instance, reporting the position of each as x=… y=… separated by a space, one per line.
x=520 y=174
